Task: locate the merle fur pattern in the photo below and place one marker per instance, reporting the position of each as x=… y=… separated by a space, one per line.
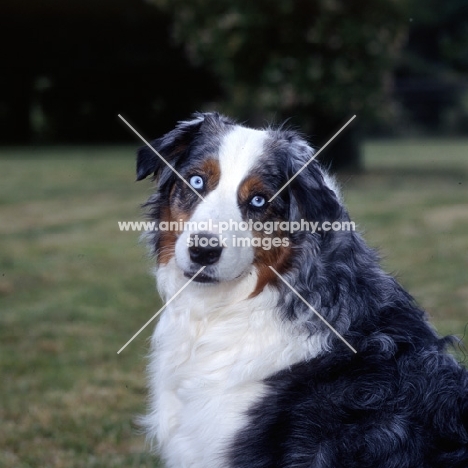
x=401 y=401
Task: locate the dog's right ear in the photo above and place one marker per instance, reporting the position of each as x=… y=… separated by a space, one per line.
x=171 y=147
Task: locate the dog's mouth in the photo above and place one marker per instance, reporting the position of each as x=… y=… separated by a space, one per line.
x=206 y=278
x=201 y=277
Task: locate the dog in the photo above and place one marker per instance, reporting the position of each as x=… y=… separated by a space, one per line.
x=302 y=355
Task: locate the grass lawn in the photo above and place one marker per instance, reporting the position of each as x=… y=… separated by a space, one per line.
x=73 y=289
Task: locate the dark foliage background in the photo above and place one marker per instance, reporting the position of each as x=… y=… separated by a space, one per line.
x=70 y=67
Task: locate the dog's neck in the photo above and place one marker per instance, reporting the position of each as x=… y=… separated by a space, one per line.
x=212 y=350
x=205 y=299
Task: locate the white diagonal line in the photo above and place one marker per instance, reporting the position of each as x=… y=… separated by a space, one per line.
x=312 y=309
x=312 y=158
x=159 y=156
x=160 y=310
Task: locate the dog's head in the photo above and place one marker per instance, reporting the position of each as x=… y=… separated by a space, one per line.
x=218 y=204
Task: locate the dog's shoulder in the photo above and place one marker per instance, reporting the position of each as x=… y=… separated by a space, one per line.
x=373 y=409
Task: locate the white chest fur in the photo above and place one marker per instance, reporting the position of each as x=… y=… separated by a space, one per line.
x=210 y=354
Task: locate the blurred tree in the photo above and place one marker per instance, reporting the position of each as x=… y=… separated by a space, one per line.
x=318 y=61
x=71 y=67
x=432 y=77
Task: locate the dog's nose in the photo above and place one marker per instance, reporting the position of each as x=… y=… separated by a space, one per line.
x=205 y=249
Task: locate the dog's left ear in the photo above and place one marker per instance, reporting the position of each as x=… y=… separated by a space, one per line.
x=171 y=147
x=312 y=194
x=316 y=200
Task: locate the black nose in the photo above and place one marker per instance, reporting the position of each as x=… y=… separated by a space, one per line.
x=205 y=249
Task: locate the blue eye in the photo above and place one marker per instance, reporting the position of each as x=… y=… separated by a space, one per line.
x=197 y=182
x=258 y=201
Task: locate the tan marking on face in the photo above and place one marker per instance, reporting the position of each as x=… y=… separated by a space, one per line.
x=250 y=187
x=168 y=238
x=277 y=257
x=210 y=171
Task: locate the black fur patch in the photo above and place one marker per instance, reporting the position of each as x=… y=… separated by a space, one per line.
x=400 y=402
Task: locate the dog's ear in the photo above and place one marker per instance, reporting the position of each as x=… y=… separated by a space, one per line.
x=315 y=199
x=312 y=194
x=171 y=147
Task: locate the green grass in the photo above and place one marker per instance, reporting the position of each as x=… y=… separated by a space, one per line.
x=73 y=289
x=412 y=204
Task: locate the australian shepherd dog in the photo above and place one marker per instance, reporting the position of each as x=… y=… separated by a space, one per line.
x=292 y=348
